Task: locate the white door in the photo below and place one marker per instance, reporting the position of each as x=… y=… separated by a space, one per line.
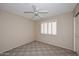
x=77 y=34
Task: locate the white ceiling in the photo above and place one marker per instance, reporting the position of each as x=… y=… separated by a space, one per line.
x=52 y=8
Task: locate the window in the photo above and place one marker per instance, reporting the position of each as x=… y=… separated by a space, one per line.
x=45 y=28
x=54 y=28
x=48 y=28
x=42 y=28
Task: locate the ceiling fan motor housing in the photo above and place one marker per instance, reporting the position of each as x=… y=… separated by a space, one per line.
x=36 y=13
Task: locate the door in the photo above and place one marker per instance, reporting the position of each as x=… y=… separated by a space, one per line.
x=77 y=33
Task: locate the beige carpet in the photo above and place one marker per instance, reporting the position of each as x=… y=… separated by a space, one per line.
x=38 y=49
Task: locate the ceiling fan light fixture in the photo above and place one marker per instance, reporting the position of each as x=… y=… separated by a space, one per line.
x=36 y=13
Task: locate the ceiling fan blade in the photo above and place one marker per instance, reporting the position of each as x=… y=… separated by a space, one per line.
x=43 y=11
x=34 y=7
x=28 y=12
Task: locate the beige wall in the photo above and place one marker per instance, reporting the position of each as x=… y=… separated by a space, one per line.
x=14 y=31
x=64 y=37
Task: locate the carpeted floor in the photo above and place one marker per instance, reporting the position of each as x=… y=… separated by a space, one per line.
x=38 y=49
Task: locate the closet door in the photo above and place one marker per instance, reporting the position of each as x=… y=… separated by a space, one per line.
x=77 y=34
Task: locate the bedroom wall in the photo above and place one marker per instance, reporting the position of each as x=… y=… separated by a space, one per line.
x=64 y=37
x=14 y=31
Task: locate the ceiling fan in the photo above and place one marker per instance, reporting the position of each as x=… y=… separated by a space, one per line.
x=36 y=11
